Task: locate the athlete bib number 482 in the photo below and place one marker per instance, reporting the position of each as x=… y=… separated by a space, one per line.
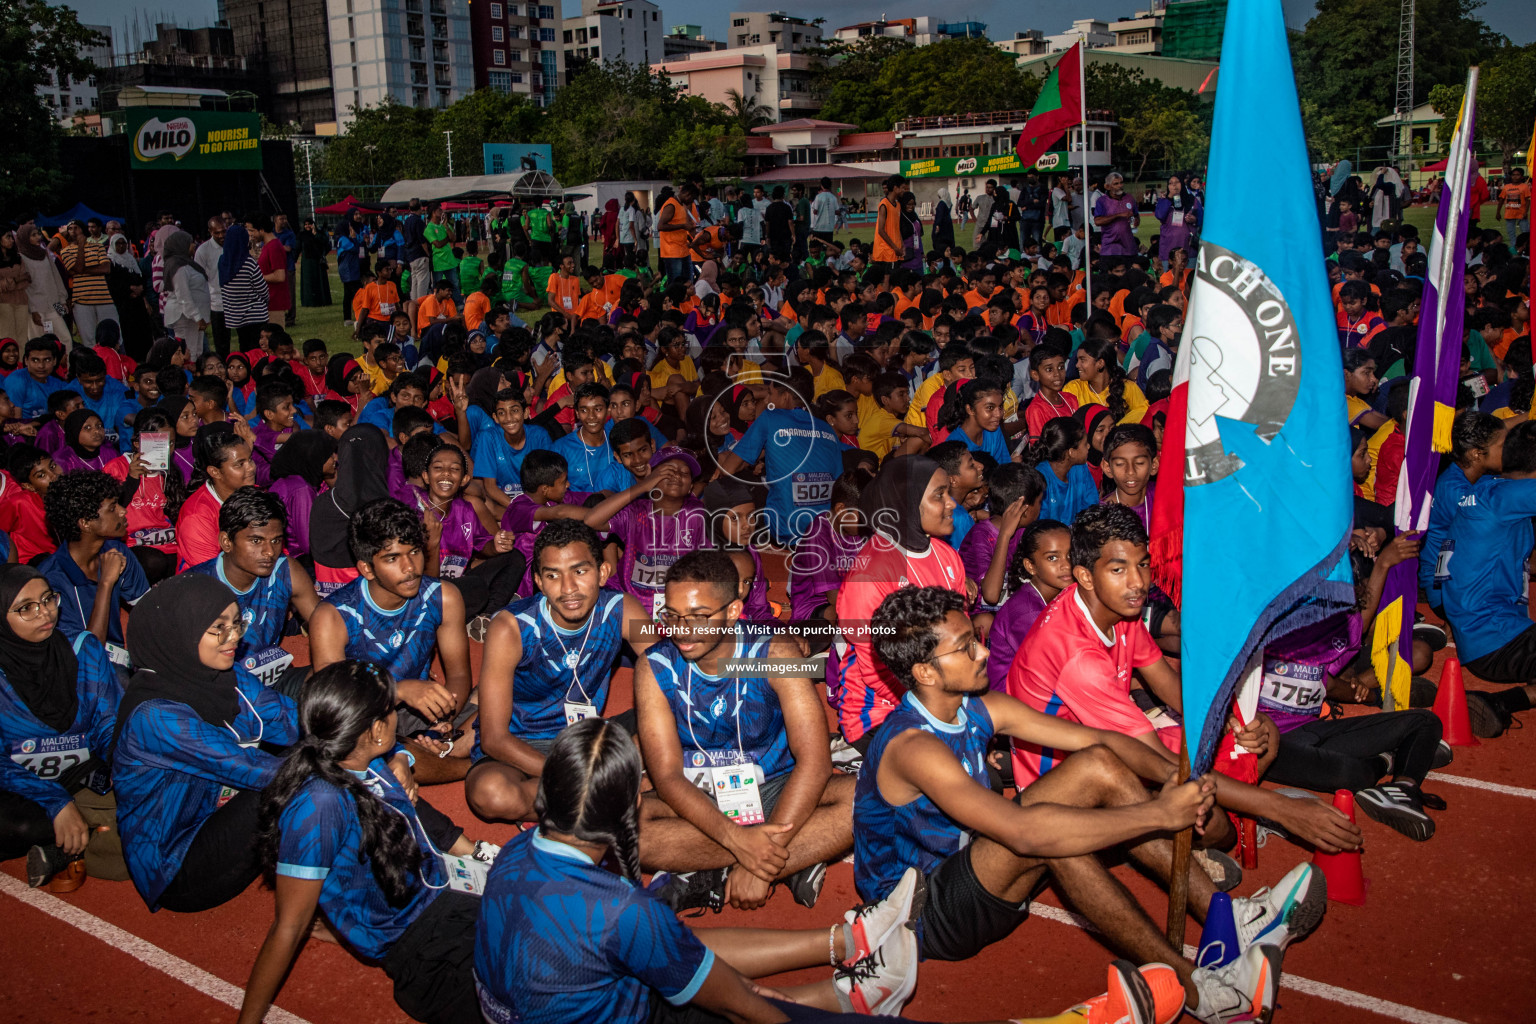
x=49 y=757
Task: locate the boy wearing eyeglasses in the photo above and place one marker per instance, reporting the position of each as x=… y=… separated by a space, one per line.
x=744 y=792
x=548 y=662
x=396 y=617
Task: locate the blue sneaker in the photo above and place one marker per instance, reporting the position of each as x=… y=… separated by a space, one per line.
x=1276 y=916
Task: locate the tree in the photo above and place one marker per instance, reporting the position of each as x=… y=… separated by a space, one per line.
x=1171 y=134
x=385 y=144
x=880 y=80
x=1156 y=122
x=486 y=115
x=1506 y=100
x=746 y=111
x=37 y=42
x=612 y=122
x=1346 y=57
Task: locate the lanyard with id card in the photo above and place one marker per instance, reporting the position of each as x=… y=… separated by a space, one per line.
x=731 y=777
x=576 y=711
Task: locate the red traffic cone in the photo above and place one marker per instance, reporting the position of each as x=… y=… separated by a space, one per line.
x=1344 y=872
x=1451 y=707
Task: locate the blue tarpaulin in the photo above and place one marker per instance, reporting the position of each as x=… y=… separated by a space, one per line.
x=79 y=212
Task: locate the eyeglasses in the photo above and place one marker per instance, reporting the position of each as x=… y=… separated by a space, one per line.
x=234 y=631
x=969 y=648
x=692 y=621
x=32 y=609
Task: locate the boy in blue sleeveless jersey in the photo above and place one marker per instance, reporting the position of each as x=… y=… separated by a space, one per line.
x=802 y=457
x=252 y=531
x=395 y=617
x=923 y=800
x=744 y=791
x=548 y=662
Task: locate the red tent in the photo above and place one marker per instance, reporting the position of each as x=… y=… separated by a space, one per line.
x=344 y=207
x=1439 y=165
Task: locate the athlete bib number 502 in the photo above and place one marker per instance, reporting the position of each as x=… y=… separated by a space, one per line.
x=812 y=492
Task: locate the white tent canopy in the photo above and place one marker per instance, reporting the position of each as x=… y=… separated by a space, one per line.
x=520 y=184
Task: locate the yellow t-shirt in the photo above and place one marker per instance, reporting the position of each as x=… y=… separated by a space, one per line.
x=828 y=380
x=877 y=427
x=1135 y=401
x=662 y=372
x=1357 y=407
x=917 y=414
x=744 y=370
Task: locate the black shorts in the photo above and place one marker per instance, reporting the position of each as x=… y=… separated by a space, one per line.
x=1515 y=662
x=961 y=918
x=626 y=720
x=433 y=962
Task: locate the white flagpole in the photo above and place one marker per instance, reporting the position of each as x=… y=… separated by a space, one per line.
x=1082 y=91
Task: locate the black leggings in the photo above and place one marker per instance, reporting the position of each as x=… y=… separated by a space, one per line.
x=157 y=565
x=1343 y=753
x=221 y=862
x=23 y=825
x=490 y=586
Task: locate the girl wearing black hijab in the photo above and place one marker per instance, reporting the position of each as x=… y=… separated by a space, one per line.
x=58 y=707
x=362 y=475
x=189 y=767
x=300 y=470
x=908 y=513
x=85 y=444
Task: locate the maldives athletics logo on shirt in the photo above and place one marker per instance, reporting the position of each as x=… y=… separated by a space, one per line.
x=1244 y=359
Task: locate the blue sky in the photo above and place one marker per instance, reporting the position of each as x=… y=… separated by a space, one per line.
x=1514 y=18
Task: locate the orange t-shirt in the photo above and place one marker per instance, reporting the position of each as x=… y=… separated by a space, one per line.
x=378 y=301
x=884 y=252
x=564 y=293
x=1060 y=314
x=475 y=307
x=673 y=239
x=430 y=309
x=593 y=306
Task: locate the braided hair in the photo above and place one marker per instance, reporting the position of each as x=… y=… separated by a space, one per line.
x=590 y=789
x=339 y=704
x=1107 y=351
x=958 y=400
x=1029 y=543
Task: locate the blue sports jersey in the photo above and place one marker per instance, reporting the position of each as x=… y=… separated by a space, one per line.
x=400 y=641
x=886 y=839
x=562 y=939
x=1064 y=499
x=33 y=756
x=379 y=413
x=992 y=443
x=964 y=523
x=323 y=840
x=77 y=593
x=723 y=720
x=264 y=607
x=29 y=394
x=1450 y=488
x=585 y=465
x=804 y=457
x=496 y=459
x=1483 y=577
x=171 y=770
x=560 y=665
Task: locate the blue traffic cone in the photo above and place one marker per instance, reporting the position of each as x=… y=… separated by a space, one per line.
x=1218 y=939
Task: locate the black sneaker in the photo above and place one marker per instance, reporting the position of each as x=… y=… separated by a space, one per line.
x=1398 y=807
x=1443 y=755
x=694 y=890
x=1488 y=718
x=1421 y=693
x=805 y=885
x=43 y=862
x=1432 y=635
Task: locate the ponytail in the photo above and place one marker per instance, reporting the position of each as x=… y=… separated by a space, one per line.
x=1058 y=437
x=590 y=789
x=1107 y=351
x=339 y=704
x=958 y=399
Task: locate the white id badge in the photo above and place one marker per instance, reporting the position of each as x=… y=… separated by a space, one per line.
x=738 y=792
x=386 y=308
x=117 y=655
x=1443 y=562
x=1176 y=219
x=576 y=712
x=155 y=450
x=465 y=873
x=267 y=664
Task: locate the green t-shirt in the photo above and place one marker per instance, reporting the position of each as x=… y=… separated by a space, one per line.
x=512 y=281
x=471 y=272
x=539 y=227
x=442 y=255
x=541 y=276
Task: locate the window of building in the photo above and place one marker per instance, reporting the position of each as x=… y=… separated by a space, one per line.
x=498 y=57
x=738 y=22
x=514 y=32
x=352 y=49
x=546 y=11
x=655 y=16
x=547 y=35
x=808 y=155
x=568 y=36
x=512 y=10
x=497 y=34
x=516 y=55
x=631 y=13
x=501 y=81
x=596 y=52
x=517 y=77
x=495 y=10
x=592 y=32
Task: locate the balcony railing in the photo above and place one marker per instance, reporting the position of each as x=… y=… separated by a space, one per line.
x=992 y=118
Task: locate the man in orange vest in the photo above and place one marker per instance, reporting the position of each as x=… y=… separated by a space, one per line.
x=676 y=222
x=888 y=243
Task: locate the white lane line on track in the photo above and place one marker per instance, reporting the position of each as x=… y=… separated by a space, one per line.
x=1492 y=787
x=1333 y=993
x=145 y=952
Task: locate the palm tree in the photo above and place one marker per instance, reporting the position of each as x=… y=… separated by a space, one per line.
x=746 y=110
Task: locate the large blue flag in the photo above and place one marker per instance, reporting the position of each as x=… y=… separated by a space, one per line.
x=1264 y=447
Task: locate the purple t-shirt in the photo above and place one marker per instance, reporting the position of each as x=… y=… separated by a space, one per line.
x=298 y=498
x=818 y=566
x=185 y=462
x=1117 y=238
x=400 y=488
x=70 y=462
x=976 y=550
x=1297 y=667
x=50 y=438
x=263 y=450
x=463 y=534
x=518 y=519
x=1009 y=628
x=1143 y=510
x=756 y=607
x=652 y=542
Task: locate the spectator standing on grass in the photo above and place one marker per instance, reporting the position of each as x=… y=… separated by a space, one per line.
x=1116 y=214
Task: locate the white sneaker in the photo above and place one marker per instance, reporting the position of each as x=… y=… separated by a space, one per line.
x=883 y=981
x=874 y=923
x=1280 y=915
x=485 y=852
x=1244 y=990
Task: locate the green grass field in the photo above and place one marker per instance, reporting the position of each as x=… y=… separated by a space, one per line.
x=325 y=322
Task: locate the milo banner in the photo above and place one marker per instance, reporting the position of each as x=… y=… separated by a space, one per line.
x=966 y=166
x=193 y=140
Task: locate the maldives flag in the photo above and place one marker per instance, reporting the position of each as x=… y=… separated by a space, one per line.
x=1058 y=107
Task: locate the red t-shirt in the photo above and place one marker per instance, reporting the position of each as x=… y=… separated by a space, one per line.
x=866 y=692
x=1067 y=668
x=21 y=516
x=1039 y=412
x=147 y=523
x=1389 y=462
x=197 y=528
x=272 y=259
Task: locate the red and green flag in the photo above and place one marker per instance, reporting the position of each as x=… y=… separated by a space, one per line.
x=1058 y=107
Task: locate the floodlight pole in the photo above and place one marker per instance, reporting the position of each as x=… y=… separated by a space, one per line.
x=450 y=152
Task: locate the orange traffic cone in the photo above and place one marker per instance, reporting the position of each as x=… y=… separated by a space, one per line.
x=1451 y=707
x=1344 y=872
